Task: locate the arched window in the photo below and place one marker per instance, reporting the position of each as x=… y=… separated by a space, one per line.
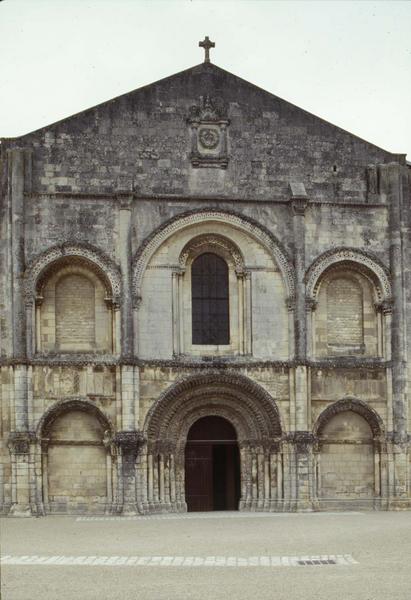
x=210 y=300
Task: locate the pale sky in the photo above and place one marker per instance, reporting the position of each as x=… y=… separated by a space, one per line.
x=348 y=62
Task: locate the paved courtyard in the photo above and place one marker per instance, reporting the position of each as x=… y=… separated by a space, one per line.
x=361 y=556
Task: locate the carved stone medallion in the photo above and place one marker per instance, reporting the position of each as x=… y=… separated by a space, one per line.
x=209 y=138
x=208 y=129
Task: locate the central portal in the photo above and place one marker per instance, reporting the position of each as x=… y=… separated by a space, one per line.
x=212 y=466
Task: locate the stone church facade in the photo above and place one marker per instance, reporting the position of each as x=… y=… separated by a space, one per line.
x=198 y=274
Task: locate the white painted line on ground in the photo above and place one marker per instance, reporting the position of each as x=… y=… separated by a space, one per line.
x=182 y=561
x=214 y=515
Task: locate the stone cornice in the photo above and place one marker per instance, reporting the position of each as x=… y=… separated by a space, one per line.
x=113 y=197
x=199 y=364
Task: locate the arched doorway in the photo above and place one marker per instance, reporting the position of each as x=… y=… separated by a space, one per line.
x=212 y=466
x=254 y=430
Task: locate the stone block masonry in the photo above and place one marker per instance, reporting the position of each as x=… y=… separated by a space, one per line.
x=102 y=218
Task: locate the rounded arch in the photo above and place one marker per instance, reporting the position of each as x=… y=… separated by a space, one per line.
x=66 y=405
x=213 y=243
x=85 y=255
x=354 y=405
x=354 y=259
x=246 y=405
x=221 y=429
x=254 y=229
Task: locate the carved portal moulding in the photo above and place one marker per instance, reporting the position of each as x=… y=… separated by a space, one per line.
x=250 y=408
x=57 y=256
x=212 y=243
x=247 y=225
x=358 y=260
x=208 y=124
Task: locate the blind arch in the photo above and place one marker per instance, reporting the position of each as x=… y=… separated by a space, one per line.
x=344 y=312
x=75 y=312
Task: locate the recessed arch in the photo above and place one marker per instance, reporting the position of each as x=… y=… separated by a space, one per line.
x=252 y=413
x=188 y=219
x=74 y=436
x=350 y=404
x=66 y=405
x=249 y=407
x=216 y=244
x=69 y=253
x=353 y=259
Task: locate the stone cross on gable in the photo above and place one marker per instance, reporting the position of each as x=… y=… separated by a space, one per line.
x=206 y=44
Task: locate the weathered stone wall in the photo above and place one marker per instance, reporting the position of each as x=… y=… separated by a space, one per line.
x=76 y=469
x=102 y=216
x=141 y=140
x=347 y=459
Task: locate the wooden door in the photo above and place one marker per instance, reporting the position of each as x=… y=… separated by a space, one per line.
x=199 y=476
x=212 y=467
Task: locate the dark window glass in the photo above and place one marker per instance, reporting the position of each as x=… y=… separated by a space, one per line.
x=209 y=291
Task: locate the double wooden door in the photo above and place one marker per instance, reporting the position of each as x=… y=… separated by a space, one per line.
x=212 y=466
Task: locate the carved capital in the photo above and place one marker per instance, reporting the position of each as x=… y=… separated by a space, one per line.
x=303 y=441
x=290 y=303
x=129 y=441
x=310 y=304
x=19 y=441
x=38 y=300
x=298 y=205
x=44 y=444
x=137 y=301
x=125 y=200
x=385 y=307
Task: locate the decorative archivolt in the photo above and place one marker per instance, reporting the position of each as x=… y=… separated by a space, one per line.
x=53 y=259
x=263 y=236
x=354 y=405
x=64 y=406
x=211 y=243
x=251 y=409
x=357 y=260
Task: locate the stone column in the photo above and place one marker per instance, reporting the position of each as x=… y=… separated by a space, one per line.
x=124 y=255
x=392 y=188
x=44 y=483
x=19 y=445
x=177 y=309
x=129 y=397
x=17 y=168
x=299 y=203
x=129 y=443
x=23 y=476
x=141 y=485
x=303 y=448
